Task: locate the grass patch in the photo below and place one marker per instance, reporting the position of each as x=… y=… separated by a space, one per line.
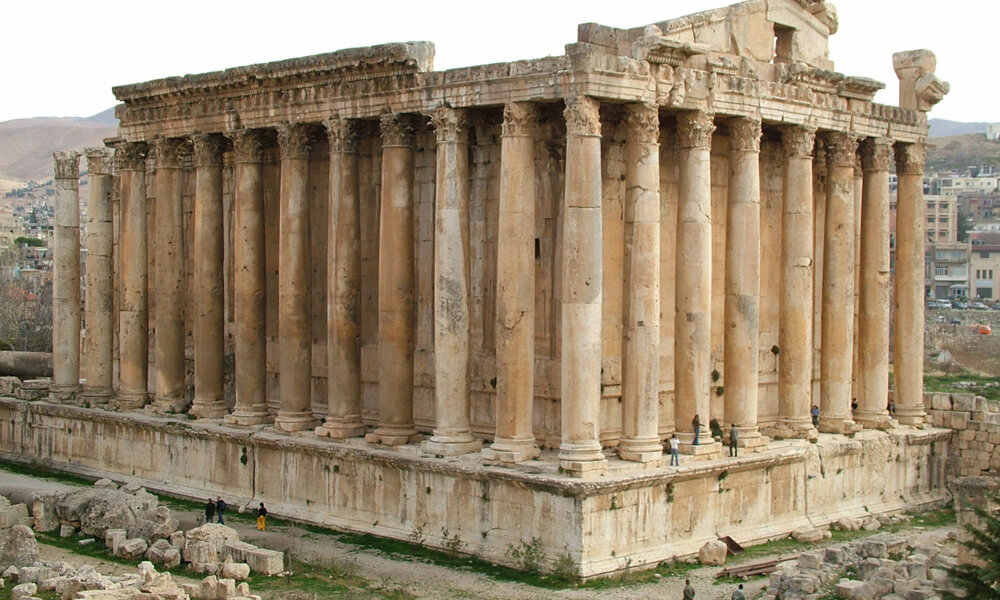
x=6 y=593
x=980 y=385
x=733 y=580
x=329 y=580
x=941 y=517
x=34 y=469
x=96 y=550
x=772 y=548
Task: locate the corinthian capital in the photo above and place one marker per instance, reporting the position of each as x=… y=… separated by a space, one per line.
x=342 y=135
x=798 y=141
x=695 y=129
x=582 y=115
x=208 y=150
x=67 y=164
x=744 y=135
x=642 y=123
x=450 y=125
x=99 y=161
x=876 y=154
x=170 y=152
x=519 y=119
x=910 y=158
x=131 y=156
x=841 y=148
x=294 y=140
x=397 y=130
x=248 y=145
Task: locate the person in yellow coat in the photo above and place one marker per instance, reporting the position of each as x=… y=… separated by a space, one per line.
x=261 y=517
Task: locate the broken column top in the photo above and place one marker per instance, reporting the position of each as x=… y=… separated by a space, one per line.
x=919 y=87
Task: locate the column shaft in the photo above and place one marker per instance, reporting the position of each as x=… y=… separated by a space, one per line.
x=396 y=285
x=641 y=353
x=515 y=330
x=66 y=278
x=873 y=323
x=580 y=450
x=98 y=355
x=908 y=357
x=209 y=318
x=169 y=275
x=693 y=304
x=133 y=315
x=795 y=339
x=343 y=349
x=742 y=310
x=838 y=286
x=294 y=323
x=452 y=433
x=249 y=282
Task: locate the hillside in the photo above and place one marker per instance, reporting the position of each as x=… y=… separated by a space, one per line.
x=26 y=145
x=945 y=128
x=961 y=151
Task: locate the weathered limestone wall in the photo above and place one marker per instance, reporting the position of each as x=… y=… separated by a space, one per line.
x=976 y=440
x=619 y=519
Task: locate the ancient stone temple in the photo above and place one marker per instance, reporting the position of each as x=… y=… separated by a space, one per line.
x=479 y=300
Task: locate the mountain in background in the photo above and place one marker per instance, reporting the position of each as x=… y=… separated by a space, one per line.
x=945 y=128
x=26 y=145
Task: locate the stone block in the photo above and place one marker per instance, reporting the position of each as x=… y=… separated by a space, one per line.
x=132 y=549
x=808 y=534
x=871 y=525
x=833 y=556
x=233 y=570
x=967 y=435
x=12 y=515
x=66 y=531
x=802 y=583
x=23 y=591
x=903 y=586
x=176 y=539
x=106 y=484
x=850 y=589
x=963 y=402
x=868 y=567
x=266 y=562
x=713 y=552
x=958 y=420
x=847 y=524
x=43 y=509
x=19 y=547
x=881 y=585
x=810 y=560
x=113 y=538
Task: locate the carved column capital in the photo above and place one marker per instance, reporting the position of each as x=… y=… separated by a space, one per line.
x=841 y=148
x=131 y=156
x=99 y=161
x=910 y=158
x=397 y=130
x=744 y=135
x=67 y=164
x=170 y=152
x=876 y=154
x=798 y=141
x=582 y=115
x=248 y=145
x=294 y=140
x=342 y=134
x=208 y=150
x=519 y=119
x=642 y=123
x=450 y=125
x=695 y=129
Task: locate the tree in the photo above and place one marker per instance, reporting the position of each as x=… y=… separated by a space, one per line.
x=980 y=582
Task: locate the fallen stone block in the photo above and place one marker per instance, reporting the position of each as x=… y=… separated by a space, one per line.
x=66 y=531
x=132 y=549
x=810 y=560
x=234 y=570
x=873 y=549
x=801 y=583
x=106 y=484
x=266 y=562
x=19 y=547
x=850 y=589
x=920 y=593
x=43 y=510
x=23 y=591
x=713 y=552
x=13 y=514
x=808 y=534
x=113 y=538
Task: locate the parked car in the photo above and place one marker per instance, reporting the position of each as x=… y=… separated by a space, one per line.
x=959 y=305
x=996 y=306
x=939 y=304
x=977 y=306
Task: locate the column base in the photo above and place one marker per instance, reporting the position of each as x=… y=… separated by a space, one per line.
x=248 y=418
x=641 y=450
x=510 y=450
x=877 y=419
x=293 y=422
x=96 y=396
x=915 y=416
x=455 y=445
x=130 y=400
x=392 y=435
x=581 y=460
x=167 y=406
x=208 y=408
x=62 y=393
x=749 y=439
x=842 y=424
x=796 y=429
x=341 y=429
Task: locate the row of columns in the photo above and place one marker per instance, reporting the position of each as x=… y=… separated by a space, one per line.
x=581 y=277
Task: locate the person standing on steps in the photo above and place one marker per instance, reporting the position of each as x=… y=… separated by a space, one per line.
x=261 y=517
x=220 y=506
x=696 y=423
x=675 y=444
x=688 y=590
x=733 y=438
x=209 y=510
x=815 y=415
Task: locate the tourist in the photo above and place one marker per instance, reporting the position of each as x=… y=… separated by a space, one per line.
x=209 y=510
x=892 y=408
x=815 y=415
x=688 y=590
x=696 y=424
x=261 y=517
x=733 y=438
x=220 y=505
x=738 y=594
x=675 y=444
x=854 y=405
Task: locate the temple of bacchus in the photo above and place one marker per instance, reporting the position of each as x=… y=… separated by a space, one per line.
x=391 y=299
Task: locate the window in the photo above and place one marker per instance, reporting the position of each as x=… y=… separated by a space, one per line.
x=930 y=220
x=984 y=292
x=930 y=206
x=940 y=269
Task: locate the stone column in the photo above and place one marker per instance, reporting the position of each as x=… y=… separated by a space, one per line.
x=66 y=279
x=908 y=358
x=873 y=322
x=580 y=451
x=838 y=286
x=795 y=315
x=98 y=355
x=640 y=440
x=856 y=367
x=515 y=338
x=133 y=315
x=452 y=432
x=169 y=276
x=742 y=310
x=249 y=281
x=396 y=285
x=343 y=320
x=294 y=323
x=693 y=312
x=209 y=318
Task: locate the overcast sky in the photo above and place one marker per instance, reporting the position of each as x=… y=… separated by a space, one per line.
x=60 y=58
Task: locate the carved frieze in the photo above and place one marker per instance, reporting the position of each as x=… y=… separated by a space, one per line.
x=294 y=140
x=910 y=158
x=342 y=134
x=744 y=135
x=170 y=152
x=841 y=148
x=248 y=145
x=695 y=129
x=131 y=156
x=208 y=150
x=642 y=123
x=582 y=114
x=876 y=154
x=67 y=164
x=798 y=141
x=519 y=119
x=99 y=161
x=450 y=125
x=397 y=130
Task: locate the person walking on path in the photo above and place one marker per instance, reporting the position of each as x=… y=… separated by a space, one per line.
x=674 y=446
x=696 y=423
x=261 y=517
x=209 y=510
x=733 y=439
x=220 y=506
x=738 y=594
x=688 y=590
